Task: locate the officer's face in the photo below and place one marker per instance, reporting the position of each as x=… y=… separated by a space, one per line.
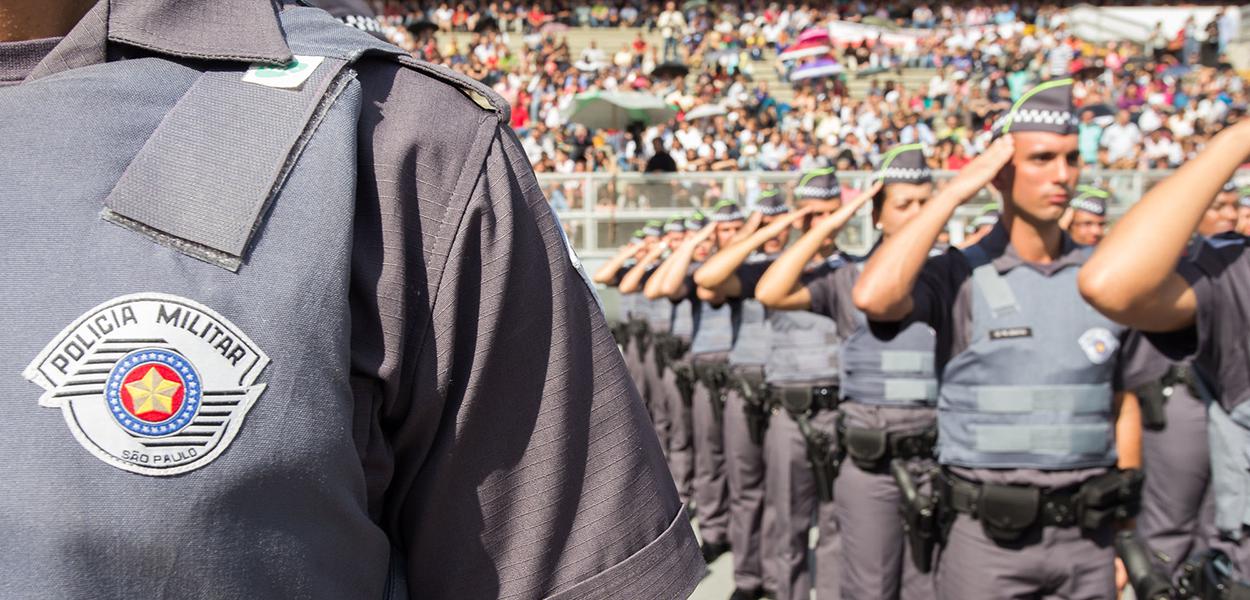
x=673 y=239
x=1039 y=180
x=1243 y=220
x=775 y=244
x=820 y=210
x=903 y=202
x=704 y=249
x=1221 y=216
x=726 y=230
x=1087 y=228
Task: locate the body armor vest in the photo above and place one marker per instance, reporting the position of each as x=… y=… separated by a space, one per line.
x=716 y=329
x=751 y=345
x=1033 y=388
x=804 y=349
x=683 y=319
x=892 y=372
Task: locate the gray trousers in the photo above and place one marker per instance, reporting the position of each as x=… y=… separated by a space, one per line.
x=1177 y=510
x=790 y=490
x=657 y=397
x=744 y=470
x=680 y=435
x=710 y=489
x=1056 y=562
x=866 y=506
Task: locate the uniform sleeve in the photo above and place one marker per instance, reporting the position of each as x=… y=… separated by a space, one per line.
x=749 y=275
x=934 y=300
x=823 y=294
x=517 y=458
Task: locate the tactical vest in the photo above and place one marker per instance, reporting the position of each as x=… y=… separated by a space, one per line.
x=751 y=345
x=206 y=337
x=804 y=349
x=659 y=313
x=683 y=321
x=893 y=372
x=1033 y=388
x=715 y=333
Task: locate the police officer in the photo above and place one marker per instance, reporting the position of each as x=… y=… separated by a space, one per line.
x=1029 y=419
x=1243 y=210
x=888 y=392
x=710 y=341
x=1196 y=310
x=630 y=327
x=802 y=378
x=1177 y=512
x=745 y=411
x=286 y=316
x=1086 y=221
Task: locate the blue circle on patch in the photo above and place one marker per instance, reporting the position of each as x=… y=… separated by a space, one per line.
x=153 y=392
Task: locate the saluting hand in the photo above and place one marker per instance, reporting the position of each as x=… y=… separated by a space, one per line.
x=981 y=171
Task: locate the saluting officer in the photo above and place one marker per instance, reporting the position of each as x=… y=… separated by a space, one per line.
x=1196 y=310
x=286 y=315
x=1086 y=221
x=1029 y=415
x=655 y=316
x=888 y=392
x=632 y=318
x=802 y=378
x=745 y=412
x=710 y=341
x=1177 y=514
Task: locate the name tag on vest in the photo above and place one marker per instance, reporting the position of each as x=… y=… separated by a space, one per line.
x=1011 y=332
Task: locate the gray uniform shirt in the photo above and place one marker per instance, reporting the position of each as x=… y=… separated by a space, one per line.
x=1219 y=273
x=942 y=298
x=502 y=447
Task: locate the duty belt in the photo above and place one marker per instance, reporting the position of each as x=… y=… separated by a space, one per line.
x=804 y=400
x=873 y=449
x=1007 y=511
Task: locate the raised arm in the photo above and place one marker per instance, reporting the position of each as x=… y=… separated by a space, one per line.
x=1131 y=278
x=607 y=273
x=779 y=287
x=673 y=278
x=718 y=273
x=632 y=280
x=884 y=289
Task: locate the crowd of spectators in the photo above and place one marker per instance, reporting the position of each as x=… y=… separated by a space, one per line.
x=1147 y=105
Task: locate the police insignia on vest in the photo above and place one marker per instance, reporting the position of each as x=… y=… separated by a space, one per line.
x=1007 y=333
x=151 y=383
x=1099 y=345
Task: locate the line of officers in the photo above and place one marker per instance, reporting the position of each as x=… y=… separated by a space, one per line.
x=954 y=422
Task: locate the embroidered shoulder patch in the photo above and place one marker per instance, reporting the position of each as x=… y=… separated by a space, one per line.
x=1099 y=345
x=151 y=383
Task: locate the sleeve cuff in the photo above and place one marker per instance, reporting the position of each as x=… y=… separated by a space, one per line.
x=669 y=567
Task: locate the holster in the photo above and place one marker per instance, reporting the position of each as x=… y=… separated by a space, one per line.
x=1148 y=582
x=685 y=382
x=754 y=405
x=822 y=452
x=1153 y=396
x=920 y=517
x=1115 y=495
x=715 y=377
x=1208 y=576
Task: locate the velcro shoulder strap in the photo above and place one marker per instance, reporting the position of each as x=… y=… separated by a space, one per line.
x=204 y=179
x=990 y=283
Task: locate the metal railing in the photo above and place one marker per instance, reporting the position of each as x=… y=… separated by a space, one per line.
x=600 y=211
